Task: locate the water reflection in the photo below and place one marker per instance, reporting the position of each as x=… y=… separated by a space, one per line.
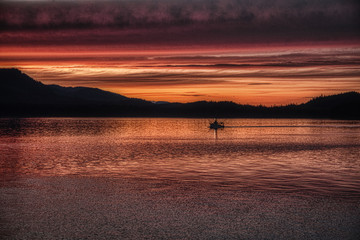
x=318 y=156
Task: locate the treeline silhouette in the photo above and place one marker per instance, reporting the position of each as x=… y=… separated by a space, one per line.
x=22 y=96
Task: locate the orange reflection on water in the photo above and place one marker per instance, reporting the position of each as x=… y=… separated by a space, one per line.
x=271 y=154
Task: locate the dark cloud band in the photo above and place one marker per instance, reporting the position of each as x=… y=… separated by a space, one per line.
x=236 y=15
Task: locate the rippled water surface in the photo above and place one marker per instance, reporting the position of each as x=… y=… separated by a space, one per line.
x=300 y=156
x=136 y=178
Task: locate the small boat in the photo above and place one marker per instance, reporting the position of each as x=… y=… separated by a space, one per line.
x=216 y=125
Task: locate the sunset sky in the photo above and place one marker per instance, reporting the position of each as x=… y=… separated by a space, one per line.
x=268 y=52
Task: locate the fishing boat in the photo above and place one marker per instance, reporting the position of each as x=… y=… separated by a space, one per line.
x=216 y=125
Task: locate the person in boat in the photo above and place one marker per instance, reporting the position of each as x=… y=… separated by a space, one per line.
x=216 y=124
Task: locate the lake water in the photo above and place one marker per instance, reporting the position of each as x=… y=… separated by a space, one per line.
x=146 y=178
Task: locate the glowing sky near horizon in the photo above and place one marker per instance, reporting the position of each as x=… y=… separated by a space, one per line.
x=251 y=52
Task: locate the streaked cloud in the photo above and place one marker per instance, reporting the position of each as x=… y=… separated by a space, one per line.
x=237 y=77
x=159 y=13
x=258 y=52
x=162 y=21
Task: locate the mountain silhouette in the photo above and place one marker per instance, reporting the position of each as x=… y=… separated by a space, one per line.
x=17 y=87
x=334 y=106
x=22 y=96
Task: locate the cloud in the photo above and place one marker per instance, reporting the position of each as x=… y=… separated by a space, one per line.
x=194 y=95
x=275 y=64
x=259 y=83
x=266 y=69
x=216 y=19
x=162 y=78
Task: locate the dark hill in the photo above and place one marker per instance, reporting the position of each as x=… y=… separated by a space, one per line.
x=339 y=100
x=345 y=105
x=22 y=96
x=17 y=87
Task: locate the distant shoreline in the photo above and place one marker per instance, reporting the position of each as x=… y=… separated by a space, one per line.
x=22 y=96
x=164 y=117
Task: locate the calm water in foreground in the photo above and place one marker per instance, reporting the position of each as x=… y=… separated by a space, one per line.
x=135 y=178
